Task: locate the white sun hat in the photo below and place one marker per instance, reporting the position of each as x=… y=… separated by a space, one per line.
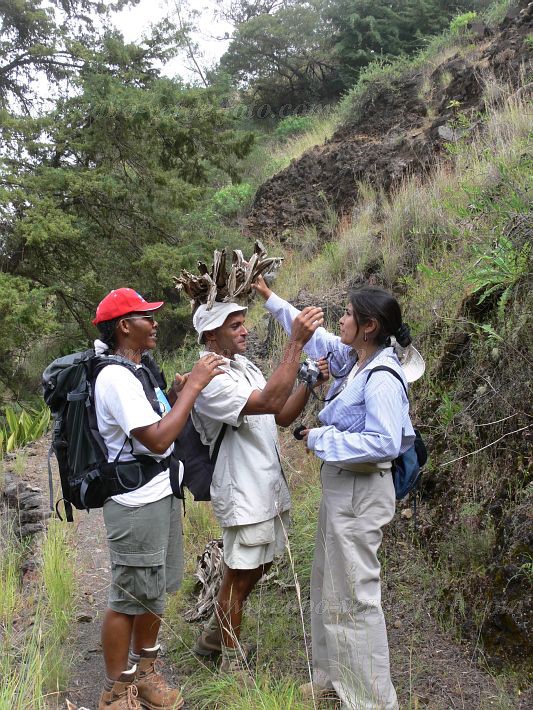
x=204 y=319
x=411 y=360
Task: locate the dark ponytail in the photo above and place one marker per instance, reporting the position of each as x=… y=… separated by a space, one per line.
x=403 y=335
x=372 y=302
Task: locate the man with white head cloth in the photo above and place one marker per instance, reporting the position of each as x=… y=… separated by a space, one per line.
x=249 y=492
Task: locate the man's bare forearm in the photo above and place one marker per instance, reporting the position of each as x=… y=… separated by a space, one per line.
x=278 y=389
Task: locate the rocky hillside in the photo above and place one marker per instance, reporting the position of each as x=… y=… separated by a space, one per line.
x=397 y=128
x=466 y=288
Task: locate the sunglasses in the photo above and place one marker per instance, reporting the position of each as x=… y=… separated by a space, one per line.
x=151 y=318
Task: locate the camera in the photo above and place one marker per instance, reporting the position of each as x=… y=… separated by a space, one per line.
x=309 y=373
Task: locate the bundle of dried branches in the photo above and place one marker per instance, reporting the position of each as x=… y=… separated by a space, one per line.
x=216 y=284
x=209 y=575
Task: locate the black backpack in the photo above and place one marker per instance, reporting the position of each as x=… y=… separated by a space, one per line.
x=407 y=468
x=198 y=464
x=87 y=478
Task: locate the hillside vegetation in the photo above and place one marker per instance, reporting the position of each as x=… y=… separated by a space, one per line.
x=425 y=188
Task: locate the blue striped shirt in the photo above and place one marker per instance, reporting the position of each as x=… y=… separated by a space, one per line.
x=366 y=422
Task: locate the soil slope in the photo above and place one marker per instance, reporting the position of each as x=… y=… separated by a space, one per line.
x=399 y=129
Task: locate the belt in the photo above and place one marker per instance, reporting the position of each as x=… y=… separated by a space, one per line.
x=378 y=467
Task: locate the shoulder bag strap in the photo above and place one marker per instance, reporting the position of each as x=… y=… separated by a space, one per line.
x=218 y=442
x=384 y=368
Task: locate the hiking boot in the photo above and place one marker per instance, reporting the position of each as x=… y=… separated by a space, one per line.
x=209 y=642
x=154 y=692
x=235 y=665
x=122 y=696
x=310 y=690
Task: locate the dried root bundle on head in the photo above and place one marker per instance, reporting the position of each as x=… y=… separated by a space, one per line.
x=216 y=284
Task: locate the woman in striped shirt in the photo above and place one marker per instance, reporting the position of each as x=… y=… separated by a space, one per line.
x=364 y=425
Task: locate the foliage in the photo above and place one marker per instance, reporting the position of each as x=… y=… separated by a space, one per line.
x=46 y=40
x=367 y=29
x=497 y=10
x=105 y=176
x=282 y=57
x=19 y=426
x=382 y=73
x=288 y=55
x=230 y=200
x=293 y=125
x=499 y=271
x=25 y=315
x=460 y=23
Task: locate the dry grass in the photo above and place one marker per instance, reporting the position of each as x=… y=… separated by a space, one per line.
x=273 y=156
x=323 y=128
x=10 y=599
x=426 y=217
x=35 y=658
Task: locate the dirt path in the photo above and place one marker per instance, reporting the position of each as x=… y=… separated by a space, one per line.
x=93 y=579
x=93 y=573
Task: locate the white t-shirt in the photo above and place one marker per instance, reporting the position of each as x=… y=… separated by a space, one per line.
x=121 y=406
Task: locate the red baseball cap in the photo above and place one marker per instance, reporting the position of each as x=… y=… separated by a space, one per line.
x=122 y=301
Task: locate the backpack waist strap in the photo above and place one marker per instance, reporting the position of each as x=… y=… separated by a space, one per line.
x=129 y=476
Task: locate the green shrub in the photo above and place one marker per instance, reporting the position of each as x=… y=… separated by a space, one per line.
x=20 y=426
x=230 y=200
x=499 y=271
x=382 y=74
x=460 y=23
x=293 y=125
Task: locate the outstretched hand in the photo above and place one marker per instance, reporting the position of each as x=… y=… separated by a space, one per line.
x=306 y=323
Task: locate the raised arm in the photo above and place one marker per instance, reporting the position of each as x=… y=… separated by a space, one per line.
x=277 y=390
x=322 y=342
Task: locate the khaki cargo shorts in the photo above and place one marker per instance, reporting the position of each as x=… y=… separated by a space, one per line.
x=251 y=546
x=146 y=549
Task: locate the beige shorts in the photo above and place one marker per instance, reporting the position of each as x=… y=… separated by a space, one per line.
x=250 y=546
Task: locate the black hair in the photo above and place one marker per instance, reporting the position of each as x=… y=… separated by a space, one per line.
x=107 y=329
x=373 y=302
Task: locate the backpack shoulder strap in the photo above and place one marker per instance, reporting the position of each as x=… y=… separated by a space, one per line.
x=197 y=421
x=218 y=442
x=384 y=368
x=142 y=373
x=98 y=362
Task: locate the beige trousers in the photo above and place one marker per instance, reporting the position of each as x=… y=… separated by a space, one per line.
x=349 y=638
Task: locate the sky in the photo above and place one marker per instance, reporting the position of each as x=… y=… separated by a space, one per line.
x=134 y=21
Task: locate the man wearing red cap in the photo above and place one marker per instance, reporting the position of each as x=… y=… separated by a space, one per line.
x=143 y=525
